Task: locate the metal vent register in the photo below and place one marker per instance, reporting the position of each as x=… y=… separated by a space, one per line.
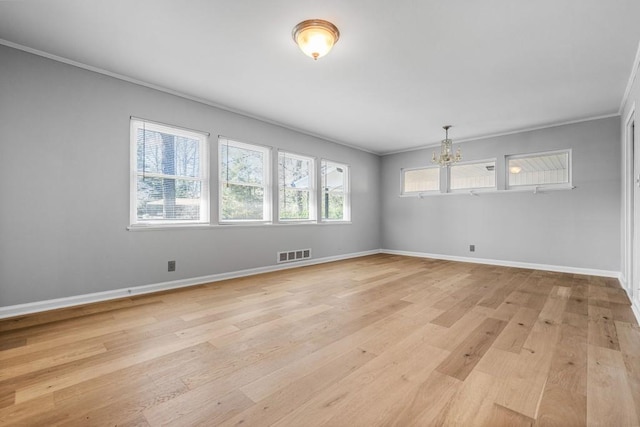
x=295 y=255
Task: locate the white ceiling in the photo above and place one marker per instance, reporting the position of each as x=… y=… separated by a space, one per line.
x=400 y=70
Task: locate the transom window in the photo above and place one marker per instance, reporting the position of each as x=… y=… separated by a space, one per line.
x=244 y=193
x=170 y=175
x=420 y=180
x=296 y=185
x=539 y=170
x=335 y=203
x=470 y=176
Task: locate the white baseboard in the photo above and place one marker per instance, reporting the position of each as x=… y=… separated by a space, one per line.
x=53 y=304
x=634 y=301
x=516 y=264
x=636 y=310
x=623 y=283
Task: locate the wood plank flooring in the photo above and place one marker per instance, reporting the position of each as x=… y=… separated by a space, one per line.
x=381 y=340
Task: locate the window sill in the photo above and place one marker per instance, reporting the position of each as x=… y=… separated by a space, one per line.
x=228 y=225
x=478 y=192
x=153 y=227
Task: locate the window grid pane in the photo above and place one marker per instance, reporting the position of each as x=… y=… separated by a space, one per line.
x=294 y=204
x=334 y=198
x=154 y=205
x=417 y=180
x=241 y=202
x=545 y=169
x=295 y=175
x=241 y=165
x=244 y=182
x=473 y=175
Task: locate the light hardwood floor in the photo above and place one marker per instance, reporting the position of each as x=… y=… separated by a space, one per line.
x=378 y=340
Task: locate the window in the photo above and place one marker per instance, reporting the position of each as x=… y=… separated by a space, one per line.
x=245 y=192
x=420 y=180
x=335 y=204
x=537 y=170
x=170 y=175
x=471 y=176
x=296 y=184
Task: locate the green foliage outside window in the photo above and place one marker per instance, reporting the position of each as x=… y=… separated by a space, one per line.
x=334 y=180
x=242 y=179
x=294 y=176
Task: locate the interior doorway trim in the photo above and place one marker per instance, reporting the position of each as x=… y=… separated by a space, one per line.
x=627 y=266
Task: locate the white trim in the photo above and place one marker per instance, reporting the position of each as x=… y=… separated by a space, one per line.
x=229 y=225
x=623 y=282
x=203 y=178
x=178 y=94
x=506 y=133
x=634 y=302
x=535 y=187
x=502 y=263
x=627 y=197
x=54 y=304
x=539 y=189
x=168 y=128
x=631 y=81
x=472 y=190
x=403 y=172
x=267 y=176
x=636 y=310
x=312 y=187
x=346 y=190
x=303 y=131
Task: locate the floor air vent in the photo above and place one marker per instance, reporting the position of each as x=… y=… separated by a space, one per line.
x=297 y=255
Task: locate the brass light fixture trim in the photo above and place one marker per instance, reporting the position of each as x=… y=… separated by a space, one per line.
x=315 y=37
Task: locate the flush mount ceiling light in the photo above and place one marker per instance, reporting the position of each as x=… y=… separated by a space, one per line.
x=515 y=169
x=447 y=157
x=315 y=37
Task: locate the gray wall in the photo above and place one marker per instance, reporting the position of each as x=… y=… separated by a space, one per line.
x=579 y=228
x=64 y=186
x=64 y=182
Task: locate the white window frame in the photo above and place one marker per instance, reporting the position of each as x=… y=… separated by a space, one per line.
x=563 y=185
x=419 y=193
x=346 y=185
x=474 y=189
x=266 y=181
x=312 y=188
x=202 y=137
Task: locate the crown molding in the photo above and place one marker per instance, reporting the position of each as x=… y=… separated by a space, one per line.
x=179 y=94
x=511 y=132
x=632 y=79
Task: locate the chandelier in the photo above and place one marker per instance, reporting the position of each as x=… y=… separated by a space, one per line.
x=315 y=37
x=447 y=157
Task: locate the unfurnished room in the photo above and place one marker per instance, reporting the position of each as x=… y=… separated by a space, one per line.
x=337 y=213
